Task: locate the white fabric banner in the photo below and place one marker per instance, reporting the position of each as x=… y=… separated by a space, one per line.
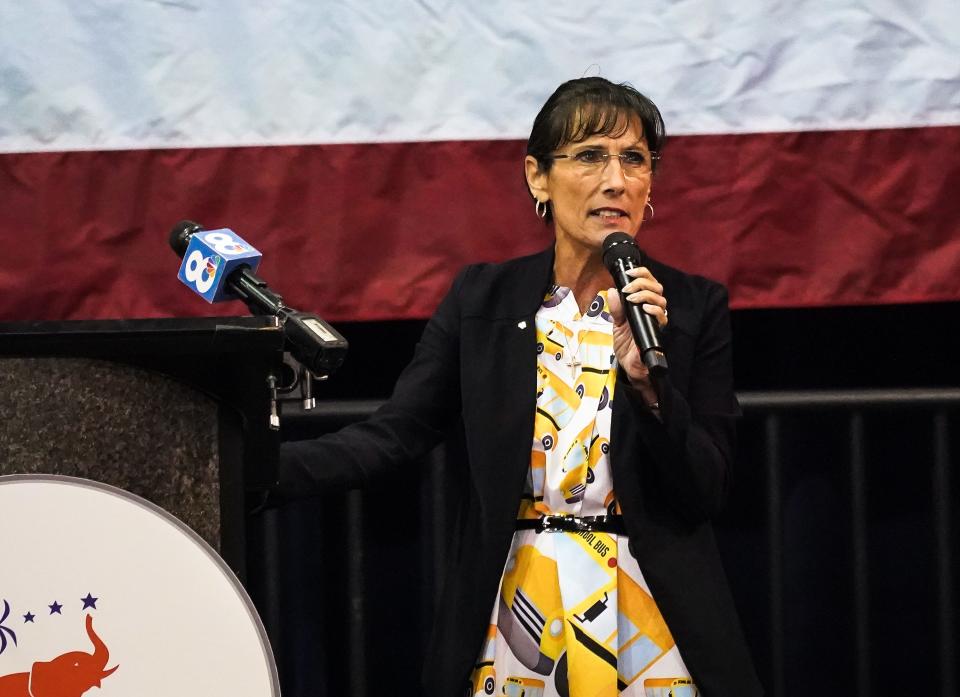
x=108 y=74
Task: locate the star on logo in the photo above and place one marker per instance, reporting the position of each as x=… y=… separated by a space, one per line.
x=89 y=601
x=55 y=607
x=28 y=617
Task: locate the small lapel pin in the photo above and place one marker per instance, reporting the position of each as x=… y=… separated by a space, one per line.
x=522 y=325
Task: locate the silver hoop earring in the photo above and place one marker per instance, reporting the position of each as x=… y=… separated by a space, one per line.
x=541 y=212
x=650 y=206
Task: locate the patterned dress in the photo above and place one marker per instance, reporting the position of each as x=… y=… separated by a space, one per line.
x=574 y=616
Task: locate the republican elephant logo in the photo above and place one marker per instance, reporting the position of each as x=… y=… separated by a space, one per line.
x=69 y=675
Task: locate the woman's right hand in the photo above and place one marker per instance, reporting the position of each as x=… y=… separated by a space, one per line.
x=646 y=291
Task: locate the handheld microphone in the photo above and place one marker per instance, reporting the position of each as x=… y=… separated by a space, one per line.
x=218 y=265
x=620 y=253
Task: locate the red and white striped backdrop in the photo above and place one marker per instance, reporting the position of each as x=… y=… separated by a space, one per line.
x=371 y=148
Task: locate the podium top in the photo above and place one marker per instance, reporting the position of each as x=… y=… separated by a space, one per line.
x=167 y=335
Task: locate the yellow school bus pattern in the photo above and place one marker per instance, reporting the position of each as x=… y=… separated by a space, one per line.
x=574 y=616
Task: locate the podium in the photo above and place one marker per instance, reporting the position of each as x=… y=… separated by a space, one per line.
x=174 y=410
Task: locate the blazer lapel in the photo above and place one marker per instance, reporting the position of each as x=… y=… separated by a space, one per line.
x=505 y=372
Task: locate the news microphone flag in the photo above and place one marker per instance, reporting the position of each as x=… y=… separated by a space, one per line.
x=211 y=257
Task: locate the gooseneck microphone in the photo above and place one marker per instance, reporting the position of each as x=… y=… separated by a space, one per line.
x=218 y=265
x=620 y=253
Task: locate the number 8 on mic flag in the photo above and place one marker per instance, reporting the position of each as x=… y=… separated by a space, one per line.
x=211 y=257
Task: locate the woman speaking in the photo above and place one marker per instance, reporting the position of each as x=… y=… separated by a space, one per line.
x=584 y=562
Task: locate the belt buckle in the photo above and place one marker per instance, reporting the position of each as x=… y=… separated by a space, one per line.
x=550 y=523
x=564 y=523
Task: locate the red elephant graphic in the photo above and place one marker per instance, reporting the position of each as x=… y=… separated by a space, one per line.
x=68 y=675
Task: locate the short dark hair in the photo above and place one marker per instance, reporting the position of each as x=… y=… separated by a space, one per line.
x=589 y=106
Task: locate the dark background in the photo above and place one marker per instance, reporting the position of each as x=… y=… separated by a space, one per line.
x=904 y=346
x=822 y=348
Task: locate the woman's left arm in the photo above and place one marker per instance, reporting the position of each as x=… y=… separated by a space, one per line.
x=691 y=436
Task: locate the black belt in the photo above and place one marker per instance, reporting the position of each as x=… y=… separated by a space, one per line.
x=570 y=523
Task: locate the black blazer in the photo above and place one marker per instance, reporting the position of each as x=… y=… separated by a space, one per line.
x=475 y=368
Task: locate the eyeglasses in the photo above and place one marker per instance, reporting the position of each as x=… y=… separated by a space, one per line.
x=634 y=163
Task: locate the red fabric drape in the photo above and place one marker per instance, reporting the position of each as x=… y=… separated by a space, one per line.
x=376 y=231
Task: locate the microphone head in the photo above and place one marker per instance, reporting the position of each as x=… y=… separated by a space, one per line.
x=619 y=245
x=180 y=236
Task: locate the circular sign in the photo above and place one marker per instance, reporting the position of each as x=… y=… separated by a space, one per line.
x=101 y=588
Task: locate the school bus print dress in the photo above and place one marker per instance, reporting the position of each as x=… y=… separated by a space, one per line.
x=574 y=616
